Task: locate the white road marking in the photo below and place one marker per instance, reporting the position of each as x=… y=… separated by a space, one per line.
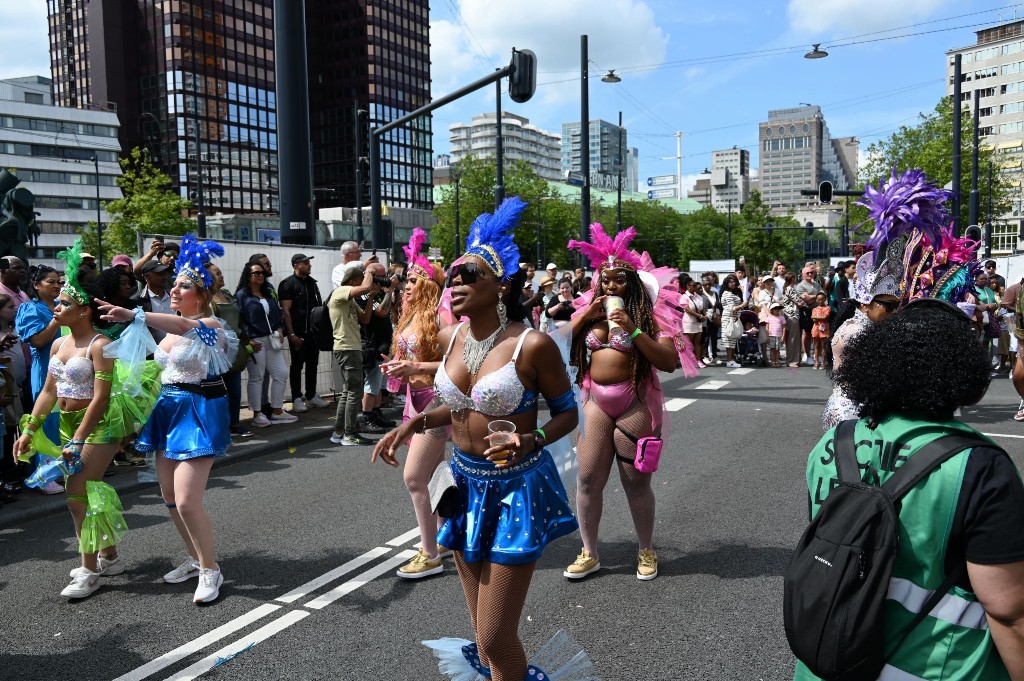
x=741 y=372
x=314 y=584
x=207 y=663
x=404 y=538
x=1018 y=437
x=677 y=403
x=712 y=385
x=351 y=585
x=181 y=652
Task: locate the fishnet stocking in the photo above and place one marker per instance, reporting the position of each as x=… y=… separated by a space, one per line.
x=595 y=462
x=95 y=459
x=496 y=595
x=183 y=483
x=425 y=454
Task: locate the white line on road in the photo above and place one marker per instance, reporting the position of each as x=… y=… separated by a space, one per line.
x=404 y=538
x=677 y=403
x=198 y=644
x=1018 y=437
x=314 y=584
x=741 y=372
x=351 y=585
x=712 y=385
x=207 y=663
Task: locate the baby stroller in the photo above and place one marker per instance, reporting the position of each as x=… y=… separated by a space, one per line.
x=747 y=349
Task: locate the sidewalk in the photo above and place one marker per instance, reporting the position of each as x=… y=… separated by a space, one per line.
x=312 y=426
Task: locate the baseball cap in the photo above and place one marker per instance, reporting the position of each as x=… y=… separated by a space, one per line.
x=121 y=260
x=172 y=246
x=88 y=255
x=154 y=266
x=299 y=257
x=551 y=266
x=767 y=277
x=774 y=305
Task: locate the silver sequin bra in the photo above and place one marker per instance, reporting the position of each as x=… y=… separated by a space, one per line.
x=499 y=393
x=181 y=364
x=76 y=379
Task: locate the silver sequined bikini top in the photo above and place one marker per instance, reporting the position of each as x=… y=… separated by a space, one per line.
x=499 y=393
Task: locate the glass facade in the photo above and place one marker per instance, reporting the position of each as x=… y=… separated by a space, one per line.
x=69 y=52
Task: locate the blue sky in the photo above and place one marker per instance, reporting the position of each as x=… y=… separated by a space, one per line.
x=711 y=70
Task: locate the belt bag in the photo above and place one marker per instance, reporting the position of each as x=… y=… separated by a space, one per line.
x=648 y=452
x=207 y=389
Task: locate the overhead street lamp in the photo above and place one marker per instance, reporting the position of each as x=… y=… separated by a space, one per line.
x=816 y=52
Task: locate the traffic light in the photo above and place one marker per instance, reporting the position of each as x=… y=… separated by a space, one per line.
x=825 y=192
x=768 y=228
x=808 y=229
x=522 y=82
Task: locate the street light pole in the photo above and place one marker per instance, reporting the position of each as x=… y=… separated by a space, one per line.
x=584 y=138
x=728 y=242
x=456 y=174
x=540 y=255
x=99 y=217
x=988 y=217
x=499 y=181
x=200 y=215
x=618 y=192
x=972 y=209
x=360 y=234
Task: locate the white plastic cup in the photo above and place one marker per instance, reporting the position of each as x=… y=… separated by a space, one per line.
x=501 y=433
x=612 y=303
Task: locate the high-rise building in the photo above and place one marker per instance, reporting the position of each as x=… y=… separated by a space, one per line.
x=60 y=154
x=994 y=67
x=520 y=142
x=607 y=152
x=730 y=178
x=702 y=191
x=194 y=81
x=632 y=178
x=797 y=152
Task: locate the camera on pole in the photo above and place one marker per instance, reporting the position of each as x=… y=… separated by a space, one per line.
x=825 y=192
x=522 y=82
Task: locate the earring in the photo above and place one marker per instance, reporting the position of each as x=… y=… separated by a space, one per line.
x=502 y=313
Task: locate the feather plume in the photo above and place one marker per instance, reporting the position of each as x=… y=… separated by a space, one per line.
x=413 y=255
x=905 y=203
x=193 y=255
x=603 y=248
x=490 y=237
x=72 y=258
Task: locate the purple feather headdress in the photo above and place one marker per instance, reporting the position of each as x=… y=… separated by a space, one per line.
x=905 y=203
x=605 y=251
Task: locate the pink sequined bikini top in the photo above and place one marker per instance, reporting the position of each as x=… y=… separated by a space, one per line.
x=617 y=341
x=408 y=345
x=76 y=379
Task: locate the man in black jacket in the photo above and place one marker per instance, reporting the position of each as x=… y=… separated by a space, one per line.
x=299 y=294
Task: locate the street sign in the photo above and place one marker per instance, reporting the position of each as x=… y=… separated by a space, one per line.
x=297 y=226
x=662 y=193
x=661 y=180
x=434 y=252
x=575 y=179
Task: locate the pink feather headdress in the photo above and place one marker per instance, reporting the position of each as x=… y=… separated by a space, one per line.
x=605 y=252
x=418 y=262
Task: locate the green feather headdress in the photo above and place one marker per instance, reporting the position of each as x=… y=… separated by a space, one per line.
x=73 y=261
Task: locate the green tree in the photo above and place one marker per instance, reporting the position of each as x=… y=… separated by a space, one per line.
x=928 y=146
x=148 y=205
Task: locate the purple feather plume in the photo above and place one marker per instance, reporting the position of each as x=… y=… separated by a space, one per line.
x=905 y=203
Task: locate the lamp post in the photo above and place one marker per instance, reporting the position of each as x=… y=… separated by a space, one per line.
x=728 y=241
x=198 y=193
x=456 y=175
x=360 y=114
x=99 y=217
x=584 y=138
x=618 y=188
x=973 y=207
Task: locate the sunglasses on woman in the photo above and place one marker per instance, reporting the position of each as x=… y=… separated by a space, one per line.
x=889 y=306
x=467 y=272
x=257 y=273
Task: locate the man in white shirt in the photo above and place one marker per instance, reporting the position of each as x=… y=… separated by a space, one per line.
x=350 y=252
x=779 y=275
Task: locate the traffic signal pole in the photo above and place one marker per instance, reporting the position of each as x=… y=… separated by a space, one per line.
x=844 y=230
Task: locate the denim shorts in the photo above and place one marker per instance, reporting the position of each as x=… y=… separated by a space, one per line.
x=373 y=379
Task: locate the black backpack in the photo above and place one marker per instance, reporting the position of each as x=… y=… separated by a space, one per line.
x=321 y=329
x=837 y=581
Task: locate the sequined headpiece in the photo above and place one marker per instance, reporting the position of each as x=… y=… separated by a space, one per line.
x=72 y=258
x=193 y=256
x=418 y=263
x=490 y=238
x=607 y=253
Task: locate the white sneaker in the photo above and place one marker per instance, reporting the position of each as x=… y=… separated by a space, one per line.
x=209 y=586
x=83 y=584
x=260 y=420
x=318 y=402
x=284 y=417
x=733 y=365
x=298 y=406
x=336 y=439
x=104 y=567
x=810 y=361
x=187 y=570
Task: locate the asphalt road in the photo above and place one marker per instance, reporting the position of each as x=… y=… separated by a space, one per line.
x=731 y=504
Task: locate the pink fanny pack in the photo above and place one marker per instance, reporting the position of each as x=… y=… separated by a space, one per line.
x=648 y=454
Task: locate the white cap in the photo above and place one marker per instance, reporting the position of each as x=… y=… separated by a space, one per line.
x=551 y=266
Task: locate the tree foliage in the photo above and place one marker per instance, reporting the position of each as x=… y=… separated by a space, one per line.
x=148 y=205
x=928 y=146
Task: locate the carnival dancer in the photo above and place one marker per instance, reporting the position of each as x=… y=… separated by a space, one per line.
x=512 y=501
x=189 y=424
x=414 y=360
x=95 y=415
x=912 y=254
x=619 y=355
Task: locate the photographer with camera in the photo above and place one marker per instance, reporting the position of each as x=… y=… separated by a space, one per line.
x=560 y=307
x=346 y=317
x=376 y=333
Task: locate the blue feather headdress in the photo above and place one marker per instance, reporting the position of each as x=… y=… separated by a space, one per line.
x=193 y=256
x=490 y=238
x=901 y=205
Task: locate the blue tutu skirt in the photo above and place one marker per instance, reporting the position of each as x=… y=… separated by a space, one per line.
x=508 y=515
x=185 y=425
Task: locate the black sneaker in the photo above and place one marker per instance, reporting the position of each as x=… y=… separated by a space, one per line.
x=379 y=419
x=240 y=431
x=369 y=426
x=355 y=439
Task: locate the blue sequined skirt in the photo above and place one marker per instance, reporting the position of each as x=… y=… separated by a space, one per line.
x=509 y=515
x=185 y=425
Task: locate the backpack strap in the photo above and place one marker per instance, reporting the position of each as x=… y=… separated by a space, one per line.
x=927 y=459
x=847 y=466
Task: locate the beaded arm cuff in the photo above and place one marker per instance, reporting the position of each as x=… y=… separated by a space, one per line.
x=107 y=376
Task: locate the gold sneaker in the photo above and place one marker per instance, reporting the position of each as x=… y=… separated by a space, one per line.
x=421 y=566
x=647 y=565
x=584 y=565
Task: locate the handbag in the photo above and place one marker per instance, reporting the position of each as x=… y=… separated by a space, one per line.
x=276 y=338
x=445 y=497
x=648 y=454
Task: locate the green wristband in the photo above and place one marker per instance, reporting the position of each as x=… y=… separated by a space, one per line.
x=636 y=332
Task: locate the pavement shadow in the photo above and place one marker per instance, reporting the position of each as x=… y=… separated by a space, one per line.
x=89 y=661
x=993 y=413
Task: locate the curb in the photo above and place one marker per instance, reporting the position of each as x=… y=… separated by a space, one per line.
x=13 y=517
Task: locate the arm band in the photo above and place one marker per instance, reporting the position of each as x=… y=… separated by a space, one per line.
x=636 y=332
x=36 y=420
x=107 y=376
x=562 y=403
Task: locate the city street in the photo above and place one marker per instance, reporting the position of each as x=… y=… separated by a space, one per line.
x=309 y=540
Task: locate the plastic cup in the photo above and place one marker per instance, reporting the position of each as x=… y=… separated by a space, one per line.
x=612 y=303
x=502 y=433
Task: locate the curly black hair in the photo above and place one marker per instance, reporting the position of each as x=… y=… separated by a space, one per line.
x=109 y=282
x=925 y=361
x=513 y=299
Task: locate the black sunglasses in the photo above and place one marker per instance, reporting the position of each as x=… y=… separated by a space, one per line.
x=257 y=273
x=889 y=305
x=468 y=272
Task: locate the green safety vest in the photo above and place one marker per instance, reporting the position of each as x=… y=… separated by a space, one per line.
x=953 y=643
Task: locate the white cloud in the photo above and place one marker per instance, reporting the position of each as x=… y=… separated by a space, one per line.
x=621 y=33
x=852 y=17
x=23 y=33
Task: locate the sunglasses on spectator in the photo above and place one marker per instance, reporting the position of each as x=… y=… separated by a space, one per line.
x=467 y=272
x=889 y=305
x=257 y=273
